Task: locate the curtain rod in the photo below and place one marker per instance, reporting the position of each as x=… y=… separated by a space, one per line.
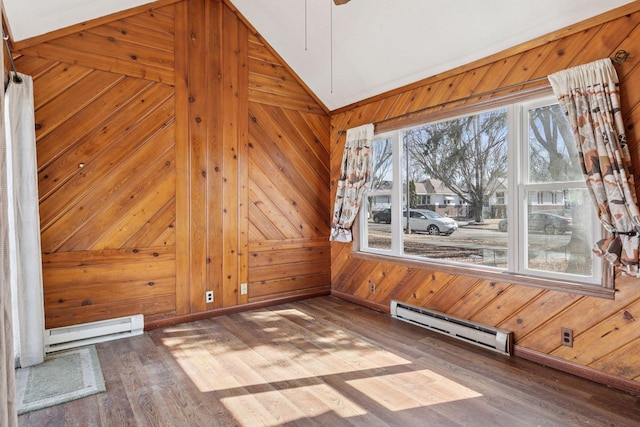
x=16 y=77
x=618 y=58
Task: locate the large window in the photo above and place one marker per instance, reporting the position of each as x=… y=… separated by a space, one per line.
x=498 y=190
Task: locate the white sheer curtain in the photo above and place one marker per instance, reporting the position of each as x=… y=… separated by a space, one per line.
x=24 y=222
x=8 y=406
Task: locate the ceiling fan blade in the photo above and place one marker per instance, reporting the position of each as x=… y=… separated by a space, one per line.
x=339 y=2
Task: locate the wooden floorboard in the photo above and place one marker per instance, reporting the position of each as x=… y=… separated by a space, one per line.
x=327 y=362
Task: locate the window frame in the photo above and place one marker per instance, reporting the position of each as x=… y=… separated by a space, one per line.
x=603 y=288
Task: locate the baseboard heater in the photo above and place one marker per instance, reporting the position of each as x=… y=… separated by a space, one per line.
x=494 y=339
x=93 y=332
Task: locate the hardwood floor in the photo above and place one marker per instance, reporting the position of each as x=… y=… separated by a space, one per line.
x=327 y=362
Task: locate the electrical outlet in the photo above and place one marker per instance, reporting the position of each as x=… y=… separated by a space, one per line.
x=566 y=336
x=208 y=296
x=243 y=288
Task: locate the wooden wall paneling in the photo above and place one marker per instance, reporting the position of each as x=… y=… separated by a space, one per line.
x=261 y=214
x=86 y=180
x=86 y=286
x=130 y=164
x=320 y=126
x=242 y=250
x=215 y=156
x=626 y=69
x=161 y=6
x=59 y=78
x=85 y=221
x=288 y=269
x=608 y=37
x=51 y=115
x=158 y=19
x=353 y=278
x=478 y=299
x=529 y=317
x=473 y=79
x=159 y=230
x=272 y=84
x=91 y=59
x=284 y=151
x=125 y=221
x=442 y=93
x=506 y=305
x=566 y=52
x=497 y=73
x=299 y=216
x=112 y=47
x=605 y=337
x=420 y=97
x=89 y=134
x=581 y=315
x=389 y=280
x=623 y=362
x=132 y=33
x=277 y=204
x=202 y=51
x=265 y=290
x=32 y=65
x=307 y=144
x=526 y=66
x=409 y=290
x=456 y=287
x=183 y=160
x=232 y=90
x=119 y=50
x=85 y=124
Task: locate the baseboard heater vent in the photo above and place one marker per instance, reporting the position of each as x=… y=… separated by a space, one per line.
x=494 y=339
x=93 y=332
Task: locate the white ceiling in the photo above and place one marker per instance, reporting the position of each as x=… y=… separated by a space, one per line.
x=351 y=52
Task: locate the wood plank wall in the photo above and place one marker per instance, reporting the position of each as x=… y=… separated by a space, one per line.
x=606 y=333
x=176 y=155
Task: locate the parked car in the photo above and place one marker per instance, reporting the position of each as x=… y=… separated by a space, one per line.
x=429 y=221
x=382 y=216
x=544 y=222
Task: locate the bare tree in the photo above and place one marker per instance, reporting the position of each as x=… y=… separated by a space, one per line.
x=468 y=154
x=382 y=157
x=553 y=154
x=382 y=163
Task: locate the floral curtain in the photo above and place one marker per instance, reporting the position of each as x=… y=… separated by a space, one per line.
x=354 y=177
x=589 y=95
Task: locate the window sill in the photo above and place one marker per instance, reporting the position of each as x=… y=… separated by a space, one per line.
x=607 y=290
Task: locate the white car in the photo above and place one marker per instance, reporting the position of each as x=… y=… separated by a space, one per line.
x=429 y=221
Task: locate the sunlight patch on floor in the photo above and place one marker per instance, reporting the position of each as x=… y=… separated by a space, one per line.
x=269 y=364
x=270 y=409
x=408 y=390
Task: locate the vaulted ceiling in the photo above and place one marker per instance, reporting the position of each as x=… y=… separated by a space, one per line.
x=354 y=51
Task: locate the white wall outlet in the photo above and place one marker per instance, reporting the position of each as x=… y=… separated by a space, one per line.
x=208 y=296
x=243 y=289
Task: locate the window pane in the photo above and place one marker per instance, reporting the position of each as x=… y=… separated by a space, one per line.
x=459 y=168
x=379 y=198
x=552 y=151
x=559 y=234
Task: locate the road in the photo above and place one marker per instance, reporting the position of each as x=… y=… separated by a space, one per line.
x=474 y=236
